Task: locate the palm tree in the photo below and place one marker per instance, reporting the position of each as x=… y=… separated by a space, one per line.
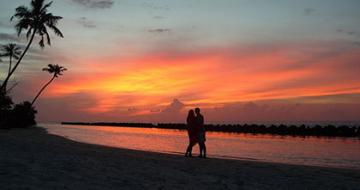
x=54 y=69
x=0 y=62
x=10 y=50
x=35 y=20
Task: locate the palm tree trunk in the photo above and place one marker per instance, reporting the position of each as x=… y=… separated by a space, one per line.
x=3 y=86
x=10 y=65
x=42 y=89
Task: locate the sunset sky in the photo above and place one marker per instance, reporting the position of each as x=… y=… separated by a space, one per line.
x=239 y=60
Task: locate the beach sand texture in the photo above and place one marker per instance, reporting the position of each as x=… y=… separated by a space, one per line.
x=33 y=159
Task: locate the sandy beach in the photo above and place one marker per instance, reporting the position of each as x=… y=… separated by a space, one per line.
x=33 y=159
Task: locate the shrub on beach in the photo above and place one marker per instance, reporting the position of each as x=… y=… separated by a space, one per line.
x=18 y=116
x=22 y=115
x=5 y=109
x=5 y=102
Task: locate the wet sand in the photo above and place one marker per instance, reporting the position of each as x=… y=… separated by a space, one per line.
x=33 y=159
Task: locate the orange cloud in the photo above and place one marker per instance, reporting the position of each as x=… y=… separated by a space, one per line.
x=213 y=76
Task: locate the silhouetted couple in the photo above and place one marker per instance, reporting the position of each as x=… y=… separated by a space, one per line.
x=196 y=132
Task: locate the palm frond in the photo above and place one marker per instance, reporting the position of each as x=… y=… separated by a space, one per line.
x=37 y=19
x=36 y=5
x=28 y=33
x=55 y=69
x=41 y=42
x=17 y=48
x=56 y=30
x=50 y=19
x=44 y=31
x=21 y=12
x=47 y=69
x=48 y=38
x=5 y=55
x=10 y=50
x=16 y=56
x=45 y=7
x=22 y=24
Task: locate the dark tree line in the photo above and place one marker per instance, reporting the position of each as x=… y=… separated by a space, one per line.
x=289 y=130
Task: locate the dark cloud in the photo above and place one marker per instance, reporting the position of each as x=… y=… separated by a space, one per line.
x=280 y=112
x=175 y=107
x=37 y=57
x=66 y=110
x=155 y=110
x=350 y=33
x=132 y=109
x=262 y=111
x=160 y=30
x=158 y=17
x=347 y=32
x=71 y=108
x=6 y=24
x=8 y=37
x=339 y=30
x=155 y=6
x=95 y=4
x=174 y=112
x=34 y=49
x=309 y=11
x=83 y=21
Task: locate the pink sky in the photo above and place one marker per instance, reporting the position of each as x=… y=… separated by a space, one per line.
x=128 y=61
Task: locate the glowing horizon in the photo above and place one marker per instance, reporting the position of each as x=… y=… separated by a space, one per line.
x=130 y=58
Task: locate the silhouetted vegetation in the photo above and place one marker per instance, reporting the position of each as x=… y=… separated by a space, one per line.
x=53 y=69
x=289 y=130
x=5 y=109
x=36 y=20
x=12 y=51
x=18 y=116
x=23 y=115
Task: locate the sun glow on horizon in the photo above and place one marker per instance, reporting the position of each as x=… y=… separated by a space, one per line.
x=131 y=58
x=216 y=77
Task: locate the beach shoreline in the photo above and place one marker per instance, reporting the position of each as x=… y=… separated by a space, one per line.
x=33 y=159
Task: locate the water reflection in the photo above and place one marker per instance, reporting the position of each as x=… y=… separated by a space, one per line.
x=335 y=152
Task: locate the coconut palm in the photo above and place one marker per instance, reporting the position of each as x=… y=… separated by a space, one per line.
x=36 y=20
x=54 y=69
x=10 y=50
x=0 y=62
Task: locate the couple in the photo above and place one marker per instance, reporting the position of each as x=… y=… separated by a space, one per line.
x=196 y=132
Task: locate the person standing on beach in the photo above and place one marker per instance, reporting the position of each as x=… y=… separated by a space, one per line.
x=201 y=131
x=192 y=132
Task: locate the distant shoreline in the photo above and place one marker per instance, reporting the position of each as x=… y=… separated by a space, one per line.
x=285 y=130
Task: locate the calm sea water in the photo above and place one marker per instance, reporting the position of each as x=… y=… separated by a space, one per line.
x=331 y=152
